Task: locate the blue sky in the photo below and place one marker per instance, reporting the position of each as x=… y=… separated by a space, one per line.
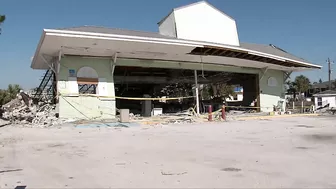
x=304 y=28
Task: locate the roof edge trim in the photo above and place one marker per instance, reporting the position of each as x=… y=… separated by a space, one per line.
x=178 y=42
x=37 y=51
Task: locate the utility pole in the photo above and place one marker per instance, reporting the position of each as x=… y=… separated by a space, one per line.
x=329 y=72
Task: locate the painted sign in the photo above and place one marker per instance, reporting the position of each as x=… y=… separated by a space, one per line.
x=72 y=73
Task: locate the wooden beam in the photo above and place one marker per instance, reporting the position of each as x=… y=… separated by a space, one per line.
x=245 y=56
x=208 y=50
x=222 y=53
x=214 y=52
x=231 y=54
x=258 y=58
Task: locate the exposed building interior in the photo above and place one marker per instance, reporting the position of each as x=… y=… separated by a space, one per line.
x=168 y=83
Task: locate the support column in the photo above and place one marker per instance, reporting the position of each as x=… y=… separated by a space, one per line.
x=196 y=92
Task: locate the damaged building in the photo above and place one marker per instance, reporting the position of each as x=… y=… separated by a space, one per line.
x=91 y=72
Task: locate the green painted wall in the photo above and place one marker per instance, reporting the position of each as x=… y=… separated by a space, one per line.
x=93 y=107
x=270 y=96
x=80 y=107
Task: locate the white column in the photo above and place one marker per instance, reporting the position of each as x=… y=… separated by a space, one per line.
x=196 y=92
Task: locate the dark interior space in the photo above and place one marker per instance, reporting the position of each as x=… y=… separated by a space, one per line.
x=158 y=82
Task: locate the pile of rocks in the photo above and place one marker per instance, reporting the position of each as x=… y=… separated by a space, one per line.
x=22 y=111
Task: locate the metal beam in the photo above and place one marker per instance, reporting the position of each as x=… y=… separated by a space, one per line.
x=159 y=80
x=114 y=62
x=49 y=64
x=263 y=72
x=287 y=75
x=58 y=64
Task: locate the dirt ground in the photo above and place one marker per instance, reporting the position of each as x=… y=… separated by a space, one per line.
x=282 y=152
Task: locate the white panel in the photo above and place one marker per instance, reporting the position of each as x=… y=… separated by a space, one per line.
x=102 y=87
x=202 y=22
x=62 y=84
x=87 y=72
x=72 y=85
x=167 y=26
x=330 y=100
x=240 y=97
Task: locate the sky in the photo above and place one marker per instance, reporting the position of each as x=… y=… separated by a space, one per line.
x=304 y=28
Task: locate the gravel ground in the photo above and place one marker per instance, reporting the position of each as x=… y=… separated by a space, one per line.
x=288 y=152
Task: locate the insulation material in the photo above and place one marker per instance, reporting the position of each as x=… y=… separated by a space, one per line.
x=102 y=87
x=72 y=85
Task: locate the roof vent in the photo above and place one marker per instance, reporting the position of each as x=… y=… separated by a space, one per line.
x=278 y=48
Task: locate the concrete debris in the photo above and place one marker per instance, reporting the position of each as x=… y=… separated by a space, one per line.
x=165 y=119
x=22 y=111
x=4 y=122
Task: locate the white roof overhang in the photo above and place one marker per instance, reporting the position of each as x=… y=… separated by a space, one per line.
x=67 y=42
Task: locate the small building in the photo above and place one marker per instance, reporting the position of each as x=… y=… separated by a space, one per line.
x=91 y=72
x=325 y=98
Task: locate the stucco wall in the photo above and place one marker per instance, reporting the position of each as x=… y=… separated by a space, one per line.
x=270 y=95
x=80 y=106
x=94 y=107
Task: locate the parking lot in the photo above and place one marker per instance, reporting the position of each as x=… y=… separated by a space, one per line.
x=281 y=152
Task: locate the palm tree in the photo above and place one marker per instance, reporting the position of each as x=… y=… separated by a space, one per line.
x=13 y=90
x=302 y=84
x=9 y=94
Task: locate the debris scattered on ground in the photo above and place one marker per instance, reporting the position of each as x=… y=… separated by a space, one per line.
x=4 y=122
x=165 y=119
x=21 y=110
x=170 y=174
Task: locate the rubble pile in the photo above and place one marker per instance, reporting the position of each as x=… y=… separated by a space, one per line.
x=23 y=111
x=165 y=119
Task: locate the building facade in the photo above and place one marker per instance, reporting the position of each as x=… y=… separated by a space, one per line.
x=100 y=70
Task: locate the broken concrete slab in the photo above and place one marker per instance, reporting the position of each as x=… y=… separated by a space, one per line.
x=22 y=111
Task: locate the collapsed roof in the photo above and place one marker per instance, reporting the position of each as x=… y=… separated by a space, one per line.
x=181 y=39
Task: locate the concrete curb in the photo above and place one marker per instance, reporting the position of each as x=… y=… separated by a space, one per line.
x=276 y=116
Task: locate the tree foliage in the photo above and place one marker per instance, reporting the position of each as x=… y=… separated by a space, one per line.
x=302 y=83
x=2 y=20
x=320 y=80
x=220 y=91
x=9 y=93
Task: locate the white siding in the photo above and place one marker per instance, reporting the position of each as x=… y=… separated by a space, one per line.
x=271 y=95
x=167 y=27
x=202 y=22
x=331 y=100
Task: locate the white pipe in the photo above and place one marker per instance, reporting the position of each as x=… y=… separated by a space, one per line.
x=196 y=92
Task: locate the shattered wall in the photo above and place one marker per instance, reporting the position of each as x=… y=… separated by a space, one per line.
x=270 y=94
x=72 y=105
